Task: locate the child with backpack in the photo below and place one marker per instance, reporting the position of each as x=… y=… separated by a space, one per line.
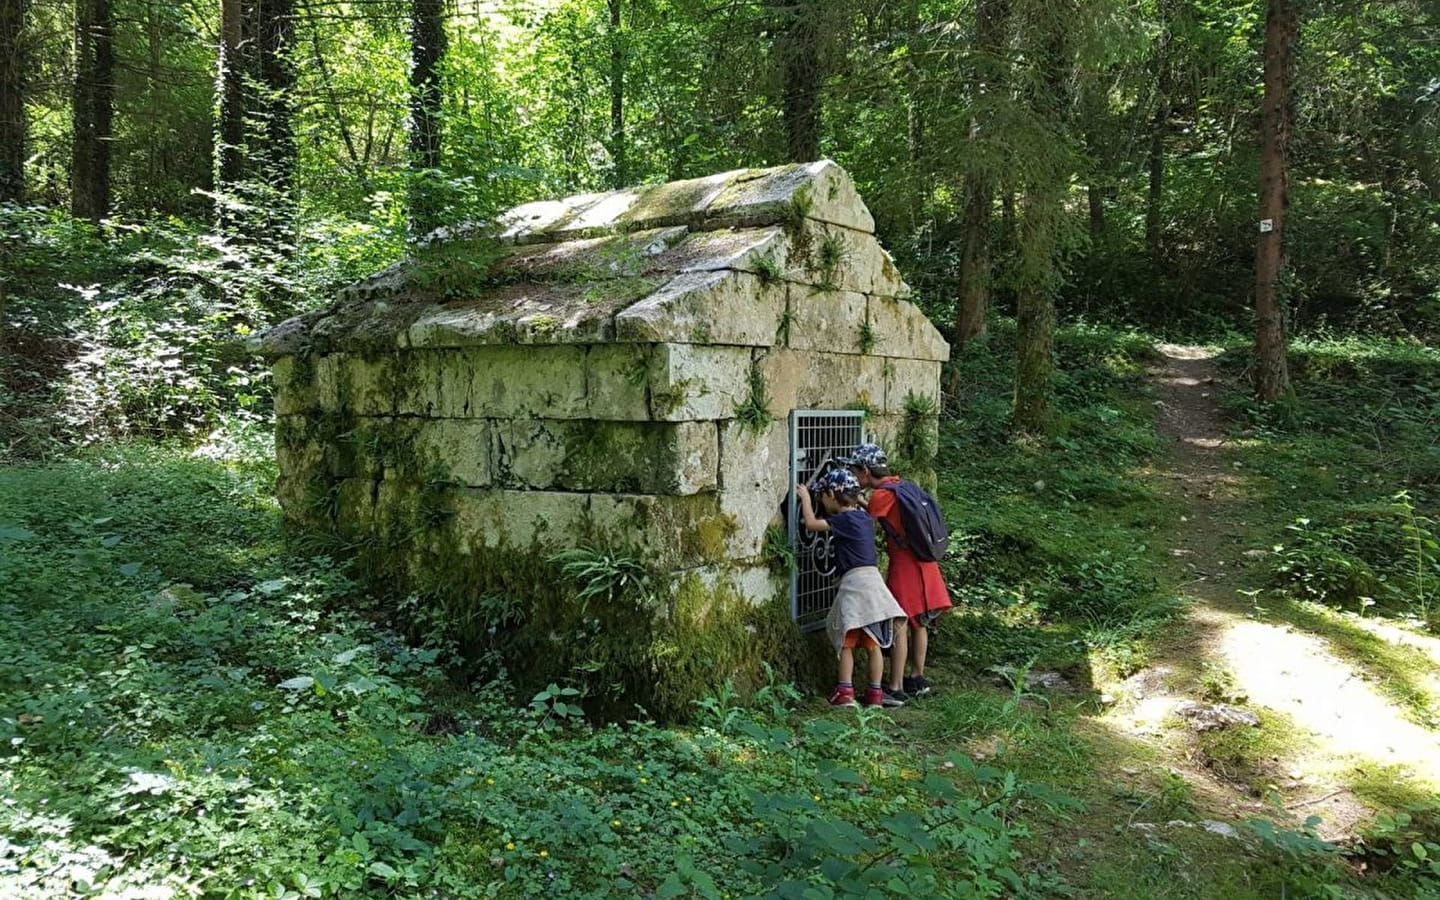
x=916 y=540
x=864 y=613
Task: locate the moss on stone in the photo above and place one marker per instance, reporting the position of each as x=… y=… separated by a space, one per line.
x=511 y=604
x=917 y=439
x=708 y=539
x=675 y=203
x=619 y=457
x=453 y=268
x=664 y=402
x=620 y=292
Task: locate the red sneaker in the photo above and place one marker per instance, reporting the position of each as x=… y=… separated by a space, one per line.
x=874 y=697
x=843 y=696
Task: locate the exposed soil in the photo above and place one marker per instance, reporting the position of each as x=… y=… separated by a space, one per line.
x=1336 y=726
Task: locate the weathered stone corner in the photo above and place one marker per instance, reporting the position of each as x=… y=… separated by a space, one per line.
x=611 y=371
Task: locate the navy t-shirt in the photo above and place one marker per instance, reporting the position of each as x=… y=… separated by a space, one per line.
x=853 y=532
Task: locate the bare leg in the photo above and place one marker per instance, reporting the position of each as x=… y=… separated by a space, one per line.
x=847 y=665
x=921 y=642
x=876 y=660
x=898 y=653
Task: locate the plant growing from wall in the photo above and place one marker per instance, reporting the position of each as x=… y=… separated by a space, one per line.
x=754 y=412
x=779 y=552
x=831 y=253
x=606 y=576
x=454 y=268
x=915 y=442
x=802 y=202
x=866 y=341
x=782 y=332
x=768 y=270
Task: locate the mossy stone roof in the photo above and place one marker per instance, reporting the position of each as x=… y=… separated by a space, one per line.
x=563 y=271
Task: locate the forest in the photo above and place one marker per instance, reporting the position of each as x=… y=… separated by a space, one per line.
x=1186 y=254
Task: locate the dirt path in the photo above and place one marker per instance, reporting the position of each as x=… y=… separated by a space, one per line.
x=1334 y=727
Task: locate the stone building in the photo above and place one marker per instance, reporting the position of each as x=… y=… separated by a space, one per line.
x=614 y=373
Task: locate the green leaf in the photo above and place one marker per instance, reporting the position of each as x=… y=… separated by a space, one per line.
x=384 y=870
x=130 y=570
x=360 y=685
x=15 y=533
x=298 y=683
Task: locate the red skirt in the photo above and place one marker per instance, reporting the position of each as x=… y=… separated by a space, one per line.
x=918 y=586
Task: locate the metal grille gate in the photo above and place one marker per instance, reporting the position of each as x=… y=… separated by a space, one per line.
x=816 y=438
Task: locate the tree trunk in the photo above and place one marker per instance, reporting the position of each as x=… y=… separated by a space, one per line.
x=152 y=88
x=1035 y=310
x=1159 y=123
x=12 y=100
x=914 y=120
x=974 y=264
x=617 y=96
x=1155 y=197
x=1095 y=195
x=799 y=50
x=231 y=76
x=991 y=17
x=1272 y=376
x=276 y=153
x=427 y=49
x=1037 y=270
x=93 y=109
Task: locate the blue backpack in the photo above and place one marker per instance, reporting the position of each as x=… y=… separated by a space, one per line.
x=925 y=533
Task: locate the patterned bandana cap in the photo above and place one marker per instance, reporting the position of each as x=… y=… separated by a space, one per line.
x=837 y=481
x=867 y=456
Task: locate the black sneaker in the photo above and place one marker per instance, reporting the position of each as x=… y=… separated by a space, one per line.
x=916 y=685
x=895 y=698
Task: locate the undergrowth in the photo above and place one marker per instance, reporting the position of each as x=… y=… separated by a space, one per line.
x=1355 y=466
x=1052 y=559
x=188 y=710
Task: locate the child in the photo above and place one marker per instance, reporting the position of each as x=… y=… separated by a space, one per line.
x=864 y=613
x=916 y=584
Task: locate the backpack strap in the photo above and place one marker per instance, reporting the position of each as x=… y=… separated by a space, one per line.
x=889 y=529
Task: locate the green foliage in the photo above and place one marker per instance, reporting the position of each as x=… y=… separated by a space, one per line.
x=1050 y=557
x=1321 y=565
x=1305 y=862
x=754 y=412
x=779 y=552
x=1360 y=439
x=219 y=713
x=606 y=576
x=135 y=329
x=866 y=341
x=915 y=442
x=1402 y=844
x=768 y=270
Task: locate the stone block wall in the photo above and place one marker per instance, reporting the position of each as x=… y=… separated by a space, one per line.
x=611 y=371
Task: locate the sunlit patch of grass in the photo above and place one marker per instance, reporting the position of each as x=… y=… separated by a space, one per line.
x=1253 y=757
x=1398 y=671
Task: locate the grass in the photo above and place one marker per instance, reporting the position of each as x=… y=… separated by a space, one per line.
x=187 y=708
x=185 y=701
x=1400 y=672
